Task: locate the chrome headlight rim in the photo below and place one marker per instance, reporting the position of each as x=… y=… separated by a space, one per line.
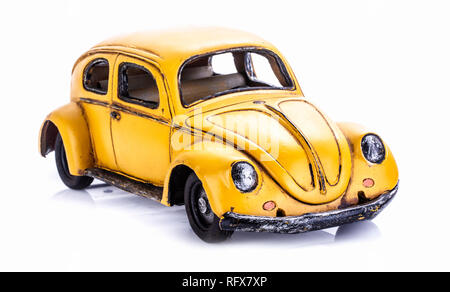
x=237 y=174
x=380 y=156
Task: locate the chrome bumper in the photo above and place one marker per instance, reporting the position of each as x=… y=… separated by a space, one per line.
x=307 y=222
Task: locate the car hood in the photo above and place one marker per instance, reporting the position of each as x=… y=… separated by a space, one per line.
x=295 y=142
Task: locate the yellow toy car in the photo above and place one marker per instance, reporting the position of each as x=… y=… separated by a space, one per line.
x=215 y=119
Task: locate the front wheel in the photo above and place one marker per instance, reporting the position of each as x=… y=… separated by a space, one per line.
x=72 y=181
x=202 y=219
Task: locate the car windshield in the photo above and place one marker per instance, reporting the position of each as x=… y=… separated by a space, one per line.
x=220 y=73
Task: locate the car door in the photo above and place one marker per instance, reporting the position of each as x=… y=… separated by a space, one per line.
x=95 y=76
x=140 y=118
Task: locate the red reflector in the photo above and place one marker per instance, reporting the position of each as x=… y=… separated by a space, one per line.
x=269 y=206
x=368 y=182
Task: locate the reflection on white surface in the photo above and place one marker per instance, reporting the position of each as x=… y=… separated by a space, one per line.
x=153 y=214
x=103 y=228
x=366 y=230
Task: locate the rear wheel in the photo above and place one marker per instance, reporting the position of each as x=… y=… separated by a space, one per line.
x=202 y=219
x=72 y=181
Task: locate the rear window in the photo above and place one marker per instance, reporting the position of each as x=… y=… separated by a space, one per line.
x=221 y=73
x=96 y=75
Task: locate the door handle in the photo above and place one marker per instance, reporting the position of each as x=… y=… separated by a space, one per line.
x=115 y=115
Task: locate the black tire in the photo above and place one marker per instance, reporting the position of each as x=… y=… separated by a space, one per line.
x=72 y=181
x=201 y=218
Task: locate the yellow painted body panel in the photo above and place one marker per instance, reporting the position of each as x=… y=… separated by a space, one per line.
x=97 y=113
x=141 y=136
x=317 y=129
x=385 y=174
x=318 y=166
x=289 y=153
x=98 y=117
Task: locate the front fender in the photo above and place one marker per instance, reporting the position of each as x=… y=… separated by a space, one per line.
x=212 y=162
x=385 y=174
x=71 y=124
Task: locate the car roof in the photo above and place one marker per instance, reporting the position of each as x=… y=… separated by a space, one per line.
x=183 y=43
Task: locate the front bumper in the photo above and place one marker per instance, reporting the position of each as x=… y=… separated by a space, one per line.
x=307 y=222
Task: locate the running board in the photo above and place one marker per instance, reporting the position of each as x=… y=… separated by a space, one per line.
x=127 y=184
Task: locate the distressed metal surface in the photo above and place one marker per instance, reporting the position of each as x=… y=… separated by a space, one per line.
x=87 y=130
x=139 y=188
x=307 y=222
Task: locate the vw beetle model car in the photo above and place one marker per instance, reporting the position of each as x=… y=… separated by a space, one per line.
x=215 y=119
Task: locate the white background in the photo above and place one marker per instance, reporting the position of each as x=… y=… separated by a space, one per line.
x=384 y=64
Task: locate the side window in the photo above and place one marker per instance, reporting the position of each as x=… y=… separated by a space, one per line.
x=261 y=70
x=96 y=75
x=137 y=85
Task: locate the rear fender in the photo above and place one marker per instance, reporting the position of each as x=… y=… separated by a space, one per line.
x=70 y=123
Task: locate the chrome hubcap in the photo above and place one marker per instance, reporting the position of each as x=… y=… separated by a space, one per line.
x=207 y=216
x=202 y=206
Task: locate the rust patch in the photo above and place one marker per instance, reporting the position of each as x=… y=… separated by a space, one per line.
x=127 y=184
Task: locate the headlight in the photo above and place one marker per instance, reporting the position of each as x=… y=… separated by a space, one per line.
x=373 y=148
x=244 y=176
